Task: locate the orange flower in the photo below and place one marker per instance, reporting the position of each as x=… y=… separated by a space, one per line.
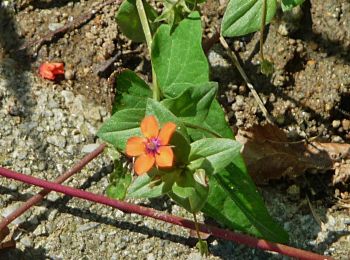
x=49 y=70
x=153 y=147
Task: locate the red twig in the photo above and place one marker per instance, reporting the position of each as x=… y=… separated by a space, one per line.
x=3 y=233
x=132 y=208
x=38 y=197
x=8 y=244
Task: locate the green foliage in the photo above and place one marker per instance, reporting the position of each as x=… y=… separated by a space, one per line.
x=189 y=193
x=209 y=173
x=120 y=180
x=121 y=126
x=131 y=91
x=196 y=1
x=287 y=5
x=202 y=247
x=129 y=22
x=244 y=16
x=178 y=58
x=153 y=184
x=213 y=154
x=215 y=122
x=173 y=12
x=193 y=104
x=235 y=202
x=266 y=67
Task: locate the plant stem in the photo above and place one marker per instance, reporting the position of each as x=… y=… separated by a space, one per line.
x=148 y=36
x=196 y=226
x=132 y=208
x=39 y=196
x=235 y=62
x=263 y=21
x=193 y=126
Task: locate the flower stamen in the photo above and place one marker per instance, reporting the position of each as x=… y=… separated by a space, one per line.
x=152 y=146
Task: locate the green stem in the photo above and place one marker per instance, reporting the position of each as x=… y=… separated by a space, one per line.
x=202 y=128
x=148 y=36
x=196 y=226
x=263 y=21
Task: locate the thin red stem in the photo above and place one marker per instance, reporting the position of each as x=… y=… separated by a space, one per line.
x=38 y=197
x=132 y=208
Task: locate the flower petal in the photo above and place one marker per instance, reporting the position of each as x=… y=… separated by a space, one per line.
x=58 y=70
x=144 y=163
x=135 y=146
x=45 y=71
x=164 y=157
x=50 y=70
x=166 y=133
x=150 y=127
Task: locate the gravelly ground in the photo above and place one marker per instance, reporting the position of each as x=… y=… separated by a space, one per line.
x=45 y=128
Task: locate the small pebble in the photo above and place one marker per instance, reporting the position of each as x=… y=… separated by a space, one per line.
x=336 y=123
x=346 y=124
x=26 y=241
x=69 y=74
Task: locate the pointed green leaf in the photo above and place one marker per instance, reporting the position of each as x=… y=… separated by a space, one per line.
x=188 y=193
x=131 y=91
x=244 y=16
x=215 y=121
x=181 y=148
x=193 y=104
x=129 y=22
x=153 y=184
x=235 y=202
x=178 y=57
x=121 y=126
x=213 y=154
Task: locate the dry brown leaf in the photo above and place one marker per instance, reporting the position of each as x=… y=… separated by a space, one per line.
x=269 y=155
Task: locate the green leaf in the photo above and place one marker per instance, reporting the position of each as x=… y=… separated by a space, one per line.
x=121 y=126
x=120 y=180
x=181 y=149
x=178 y=58
x=266 y=67
x=202 y=247
x=213 y=154
x=195 y=1
x=164 y=115
x=129 y=22
x=235 y=202
x=288 y=5
x=131 y=91
x=173 y=13
x=215 y=121
x=153 y=184
x=188 y=193
x=193 y=104
x=244 y=16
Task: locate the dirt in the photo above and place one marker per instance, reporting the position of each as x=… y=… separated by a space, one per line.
x=308 y=94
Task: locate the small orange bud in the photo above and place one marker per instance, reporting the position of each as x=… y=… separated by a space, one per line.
x=49 y=70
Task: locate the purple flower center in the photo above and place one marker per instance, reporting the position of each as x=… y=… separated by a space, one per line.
x=153 y=145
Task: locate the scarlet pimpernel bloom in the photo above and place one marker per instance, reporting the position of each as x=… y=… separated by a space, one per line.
x=153 y=148
x=49 y=70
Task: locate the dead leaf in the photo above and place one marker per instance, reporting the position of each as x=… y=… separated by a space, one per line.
x=202 y=235
x=269 y=155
